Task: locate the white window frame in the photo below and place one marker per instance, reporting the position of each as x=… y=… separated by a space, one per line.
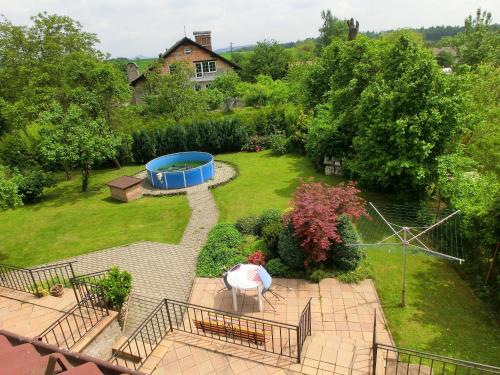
x=187 y=51
x=205 y=67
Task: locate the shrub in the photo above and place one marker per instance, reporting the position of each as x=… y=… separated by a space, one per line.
x=314 y=218
x=279 y=143
x=143 y=146
x=225 y=234
x=220 y=251
x=318 y=275
x=276 y=267
x=257 y=258
x=270 y=235
x=341 y=255
x=248 y=225
x=116 y=287
x=256 y=143
x=290 y=251
x=269 y=216
x=9 y=197
x=30 y=185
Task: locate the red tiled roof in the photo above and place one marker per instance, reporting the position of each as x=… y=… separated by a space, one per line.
x=22 y=356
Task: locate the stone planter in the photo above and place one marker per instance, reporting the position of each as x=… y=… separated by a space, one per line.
x=122 y=314
x=57 y=290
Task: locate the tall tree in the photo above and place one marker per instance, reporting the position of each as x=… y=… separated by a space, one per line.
x=75 y=127
x=172 y=94
x=479 y=42
x=268 y=58
x=332 y=28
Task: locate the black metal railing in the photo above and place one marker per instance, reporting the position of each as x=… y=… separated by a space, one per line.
x=144 y=340
x=255 y=333
x=391 y=360
x=70 y=328
x=83 y=285
x=36 y=280
x=304 y=328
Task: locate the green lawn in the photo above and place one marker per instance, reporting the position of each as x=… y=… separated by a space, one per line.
x=69 y=222
x=265 y=181
x=442 y=316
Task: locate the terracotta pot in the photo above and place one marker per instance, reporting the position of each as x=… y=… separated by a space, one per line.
x=57 y=290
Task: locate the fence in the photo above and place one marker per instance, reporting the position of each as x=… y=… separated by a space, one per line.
x=255 y=333
x=390 y=360
x=70 y=328
x=35 y=280
x=84 y=285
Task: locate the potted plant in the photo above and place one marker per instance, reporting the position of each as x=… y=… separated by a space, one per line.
x=57 y=290
x=116 y=287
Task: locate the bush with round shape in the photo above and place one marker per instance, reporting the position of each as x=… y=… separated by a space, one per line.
x=225 y=234
x=268 y=216
x=290 y=251
x=116 y=287
x=248 y=225
x=279 y=143
x=270 y=235
x=341 y=255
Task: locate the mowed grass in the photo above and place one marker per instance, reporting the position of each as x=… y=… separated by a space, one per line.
x=265 y=181
x=69 y=222
x=442 y=315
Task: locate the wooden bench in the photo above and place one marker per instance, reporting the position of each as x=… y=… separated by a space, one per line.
x=233 y=330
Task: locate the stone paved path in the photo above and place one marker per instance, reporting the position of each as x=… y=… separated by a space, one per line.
x=159 y=270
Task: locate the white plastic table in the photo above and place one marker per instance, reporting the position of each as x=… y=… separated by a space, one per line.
x=243 y=278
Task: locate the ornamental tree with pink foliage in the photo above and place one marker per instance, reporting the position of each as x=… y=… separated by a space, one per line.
x=314 y=218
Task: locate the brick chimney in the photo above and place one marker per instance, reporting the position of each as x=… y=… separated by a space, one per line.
x=204 y=38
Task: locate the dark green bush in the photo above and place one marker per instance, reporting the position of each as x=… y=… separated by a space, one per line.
x=277 y=268
x=340 y=255
x=290 y=251
x=248 y=225
x=144 y=146
x=30 y=185
x=116 y=287
x=171 y=139
x=271 y=235
x=269 y=216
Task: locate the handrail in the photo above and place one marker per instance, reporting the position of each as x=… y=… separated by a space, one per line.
x=261 y=334
x=32 y=280
x=71 y=327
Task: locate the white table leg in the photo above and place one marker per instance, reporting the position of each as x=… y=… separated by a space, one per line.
x=259 y=290
x=235 y=302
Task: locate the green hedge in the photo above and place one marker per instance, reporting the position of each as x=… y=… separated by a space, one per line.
x=214 y=136
x=221 y=251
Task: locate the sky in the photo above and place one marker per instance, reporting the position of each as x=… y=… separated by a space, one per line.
x=128 y=28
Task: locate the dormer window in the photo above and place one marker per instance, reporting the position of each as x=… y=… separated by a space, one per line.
x=187 y=51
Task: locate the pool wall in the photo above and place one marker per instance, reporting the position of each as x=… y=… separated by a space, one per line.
x=181 y=179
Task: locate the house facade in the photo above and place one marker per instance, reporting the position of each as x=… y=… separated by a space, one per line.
x=207 y=65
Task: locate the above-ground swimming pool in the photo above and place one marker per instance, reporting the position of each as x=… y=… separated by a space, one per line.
x=180 y=170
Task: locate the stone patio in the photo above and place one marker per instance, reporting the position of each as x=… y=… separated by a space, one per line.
x=342 y=328
x=28 y=315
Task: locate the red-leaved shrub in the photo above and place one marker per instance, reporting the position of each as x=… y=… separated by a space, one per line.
x=257 y=258
x=316 y=208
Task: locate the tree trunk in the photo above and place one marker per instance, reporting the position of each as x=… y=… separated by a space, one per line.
x=492 y=264
x=67 y=171
x=117 y=163
x=85 y=177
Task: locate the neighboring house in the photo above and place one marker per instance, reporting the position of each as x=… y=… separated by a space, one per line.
x=206 y=64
